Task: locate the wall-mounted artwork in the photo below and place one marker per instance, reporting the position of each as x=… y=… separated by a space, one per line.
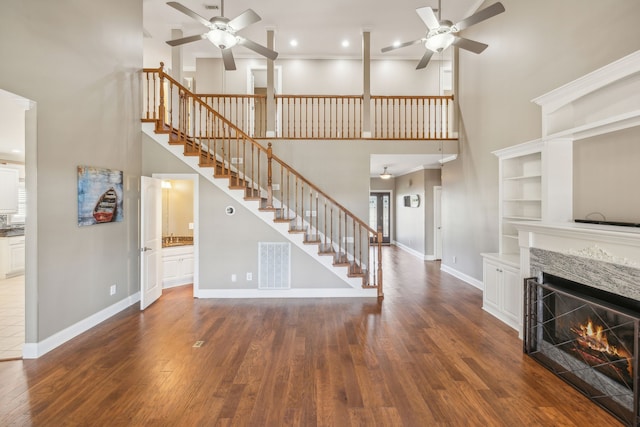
x=99 y=195
x=412 y=201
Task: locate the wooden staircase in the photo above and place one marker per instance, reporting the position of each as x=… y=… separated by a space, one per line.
x=220 y=151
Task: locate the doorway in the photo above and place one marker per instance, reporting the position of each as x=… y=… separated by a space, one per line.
x=180 y=207
x=17 y=120
x=380 y=214
x=437 y=222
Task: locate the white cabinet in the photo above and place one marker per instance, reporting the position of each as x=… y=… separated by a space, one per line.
x=503 y=289
x=177 y=266
x=11 y=256
x=9 y=190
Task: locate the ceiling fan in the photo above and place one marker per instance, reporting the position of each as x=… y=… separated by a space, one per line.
x=222 y=33
x=442 y=34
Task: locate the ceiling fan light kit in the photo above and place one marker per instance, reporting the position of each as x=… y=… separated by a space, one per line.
x=385 y=174
x=222 y=33
x=222 y=39
x=442 y=33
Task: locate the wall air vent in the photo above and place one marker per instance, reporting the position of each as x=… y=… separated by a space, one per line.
x=274 y=265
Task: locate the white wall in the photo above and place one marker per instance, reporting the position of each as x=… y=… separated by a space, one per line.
x=414 y=226
x=324 y=77
x=80 y=62
x=534 y=47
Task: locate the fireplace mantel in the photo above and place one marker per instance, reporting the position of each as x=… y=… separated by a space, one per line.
x=621 y=243
x=600 y=256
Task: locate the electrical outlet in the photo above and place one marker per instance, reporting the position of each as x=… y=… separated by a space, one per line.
x=249 y=277
x=275 y=187
x=234 y=278
x=112 y=290
x=455 y=259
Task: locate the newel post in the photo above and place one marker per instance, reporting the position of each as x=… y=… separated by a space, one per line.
x=161 y=109
x=379 y=240
x=269 y=176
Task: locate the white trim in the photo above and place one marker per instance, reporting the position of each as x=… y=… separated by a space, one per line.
x=288 y=293
x=588 y=83
x=410 y=251
x=465 y=278
x=35 y=350
x=423 y=257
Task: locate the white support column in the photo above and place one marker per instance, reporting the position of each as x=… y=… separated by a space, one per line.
x=271 y=101
x=176 y=56
x=366 y=84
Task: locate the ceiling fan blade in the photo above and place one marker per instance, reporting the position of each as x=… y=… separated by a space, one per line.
x=189 y=39
x=480 y=16
x=428 y=17
x=470 y=45
x=243 y=20
x=401 y=45
x=190 y=13
x=425 y=59
x=227 y=58
x=257 y=48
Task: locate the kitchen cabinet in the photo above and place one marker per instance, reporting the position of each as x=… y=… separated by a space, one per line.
x=503 y=289
x=11 y=256
x=177 y=266
x=9 y=178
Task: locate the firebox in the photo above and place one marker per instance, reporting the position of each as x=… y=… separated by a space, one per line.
x=589 y=338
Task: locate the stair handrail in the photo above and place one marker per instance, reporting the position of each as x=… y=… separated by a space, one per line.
x=267 y=151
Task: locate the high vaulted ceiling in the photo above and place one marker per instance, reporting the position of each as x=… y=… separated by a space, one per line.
x=320 y=27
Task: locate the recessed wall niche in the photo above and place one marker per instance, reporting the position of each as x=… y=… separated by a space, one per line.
x=606 y=177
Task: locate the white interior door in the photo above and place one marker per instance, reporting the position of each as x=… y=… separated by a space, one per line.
x=150 y=241
x=437 y=222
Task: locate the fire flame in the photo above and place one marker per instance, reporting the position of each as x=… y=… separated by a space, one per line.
x=595 y=338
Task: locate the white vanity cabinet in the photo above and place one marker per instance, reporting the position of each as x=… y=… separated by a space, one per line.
x=11 y=256
x=177 y=266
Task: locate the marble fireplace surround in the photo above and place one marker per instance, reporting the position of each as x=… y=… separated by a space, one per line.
x=602 y=257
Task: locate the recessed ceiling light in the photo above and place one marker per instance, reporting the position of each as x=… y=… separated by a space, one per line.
x=396 y=43
x=15 y=150
x=293 y=42
x=345 y=43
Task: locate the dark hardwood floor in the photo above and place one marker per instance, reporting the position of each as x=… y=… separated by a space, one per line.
x=427 y=355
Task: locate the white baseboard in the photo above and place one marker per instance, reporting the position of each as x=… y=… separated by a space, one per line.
x=465 y=278
x=410 y=251
x=415 y=253
x=35 y=350
x=287 y=293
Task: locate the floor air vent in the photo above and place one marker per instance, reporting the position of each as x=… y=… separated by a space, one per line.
x=274 y=265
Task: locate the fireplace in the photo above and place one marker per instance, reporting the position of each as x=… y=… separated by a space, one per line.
x=589 y=338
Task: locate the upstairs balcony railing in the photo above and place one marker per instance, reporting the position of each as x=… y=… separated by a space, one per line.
x=219 y=144
x=339 y=116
